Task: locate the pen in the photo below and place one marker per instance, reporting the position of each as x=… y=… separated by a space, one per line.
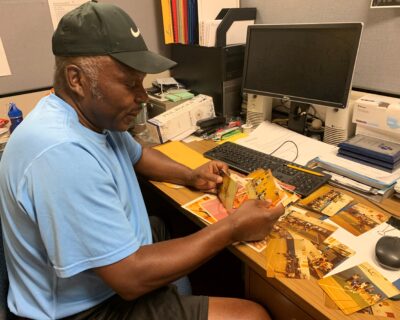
x=230 y=133
x=305 y=170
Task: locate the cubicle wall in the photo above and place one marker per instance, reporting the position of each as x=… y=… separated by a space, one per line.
x=26 y=30
x=378 y=63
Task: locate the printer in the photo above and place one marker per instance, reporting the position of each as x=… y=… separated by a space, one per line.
x=378 y=116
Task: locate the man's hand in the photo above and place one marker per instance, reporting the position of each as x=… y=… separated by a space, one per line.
x=254 y=220
x=206 y=177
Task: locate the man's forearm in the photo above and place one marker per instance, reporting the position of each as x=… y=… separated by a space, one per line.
x=157 y=166
x=153 y=266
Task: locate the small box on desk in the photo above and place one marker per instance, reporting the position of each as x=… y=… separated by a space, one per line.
x=156 y=106
x=378 y=112
x=180 y=121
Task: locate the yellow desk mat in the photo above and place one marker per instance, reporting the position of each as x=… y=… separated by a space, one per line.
x=181 y=153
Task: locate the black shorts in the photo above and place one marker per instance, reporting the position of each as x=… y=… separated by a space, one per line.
x=162 y=304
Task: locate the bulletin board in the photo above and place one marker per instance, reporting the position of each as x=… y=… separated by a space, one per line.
x=26 y=30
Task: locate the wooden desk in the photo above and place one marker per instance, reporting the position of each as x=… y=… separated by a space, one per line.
x=284 y=298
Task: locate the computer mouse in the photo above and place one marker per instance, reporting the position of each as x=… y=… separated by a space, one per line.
x=387 y=251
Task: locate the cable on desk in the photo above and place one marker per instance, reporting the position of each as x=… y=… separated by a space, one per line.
x=283 y=143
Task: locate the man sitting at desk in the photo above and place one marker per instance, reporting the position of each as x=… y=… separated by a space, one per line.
x=77 y=236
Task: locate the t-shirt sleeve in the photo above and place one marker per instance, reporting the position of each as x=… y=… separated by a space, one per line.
x=133 y=147
x=75 y=202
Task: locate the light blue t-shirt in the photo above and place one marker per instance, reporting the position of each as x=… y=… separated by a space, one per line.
x=69 y=202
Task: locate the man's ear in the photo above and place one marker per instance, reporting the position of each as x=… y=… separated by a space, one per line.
x=75 y=80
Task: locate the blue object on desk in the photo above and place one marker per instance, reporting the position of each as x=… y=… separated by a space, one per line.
x=375 y=148
x=15 y=116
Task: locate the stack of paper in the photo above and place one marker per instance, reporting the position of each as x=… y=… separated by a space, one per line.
x=235 y=35
x=365 y=174
x=269 y=137
x=208 y=32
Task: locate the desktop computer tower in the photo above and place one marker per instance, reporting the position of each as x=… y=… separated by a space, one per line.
x=214 y=71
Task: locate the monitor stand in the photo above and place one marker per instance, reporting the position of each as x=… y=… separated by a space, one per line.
x=298 y=116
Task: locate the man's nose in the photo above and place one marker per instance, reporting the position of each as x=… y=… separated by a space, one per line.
x=141 y=95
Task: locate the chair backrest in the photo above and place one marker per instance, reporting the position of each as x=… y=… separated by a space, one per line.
x=4 y=313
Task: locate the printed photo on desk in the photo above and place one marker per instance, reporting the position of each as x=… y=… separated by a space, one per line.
x=359 y=218
x=214 y=208
x=323 y=252
x=324 y=257
x=287 y=258
x=326 y=200
x=195 y=208
x=305 y=227
x=383 y=309
x=357 y=288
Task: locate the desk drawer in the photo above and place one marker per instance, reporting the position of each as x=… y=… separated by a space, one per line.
x=280 y=308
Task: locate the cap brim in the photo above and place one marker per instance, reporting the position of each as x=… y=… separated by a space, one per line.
x=144 y=61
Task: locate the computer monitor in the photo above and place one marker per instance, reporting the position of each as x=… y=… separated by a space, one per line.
x=304 y=63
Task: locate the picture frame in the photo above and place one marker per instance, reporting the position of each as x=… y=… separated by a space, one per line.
x=383 y=4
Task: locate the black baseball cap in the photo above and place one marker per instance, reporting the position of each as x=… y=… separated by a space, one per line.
x=105 y=29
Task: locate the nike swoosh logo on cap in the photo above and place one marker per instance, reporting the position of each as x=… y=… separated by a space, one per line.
x=135 y=33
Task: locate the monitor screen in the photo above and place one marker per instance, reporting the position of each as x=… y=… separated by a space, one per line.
x=307 y=63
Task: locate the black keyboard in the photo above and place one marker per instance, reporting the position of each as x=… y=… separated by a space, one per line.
x=246 y=160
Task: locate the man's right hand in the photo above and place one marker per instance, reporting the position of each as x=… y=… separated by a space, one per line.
x=254 y=220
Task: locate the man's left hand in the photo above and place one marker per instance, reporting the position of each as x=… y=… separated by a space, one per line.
x=206 y=177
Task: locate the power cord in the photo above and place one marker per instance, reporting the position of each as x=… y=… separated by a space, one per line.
x=282 y=144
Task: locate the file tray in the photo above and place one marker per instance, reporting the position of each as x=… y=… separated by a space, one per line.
x=228 y=17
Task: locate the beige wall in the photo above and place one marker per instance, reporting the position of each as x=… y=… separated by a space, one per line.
x=26 y=102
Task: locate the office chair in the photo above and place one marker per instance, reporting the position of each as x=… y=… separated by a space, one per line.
x=4 y=312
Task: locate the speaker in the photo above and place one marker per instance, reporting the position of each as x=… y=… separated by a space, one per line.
x=338 y=125
x=259 y=109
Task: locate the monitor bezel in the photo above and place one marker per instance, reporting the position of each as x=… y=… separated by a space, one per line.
x=358 y=26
